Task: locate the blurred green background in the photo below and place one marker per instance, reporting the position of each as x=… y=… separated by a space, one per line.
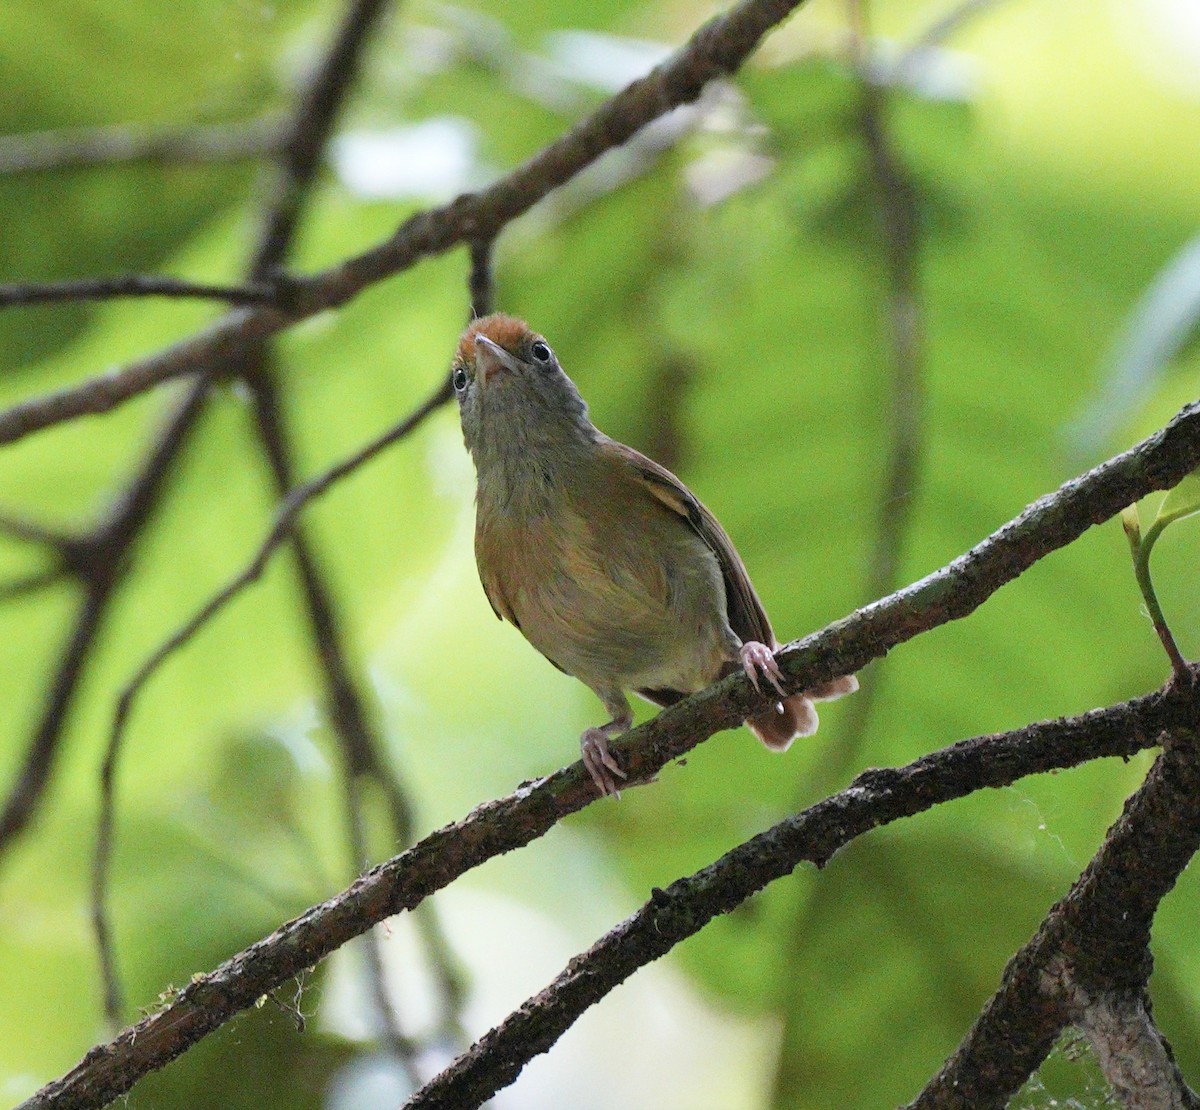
x=719 y=293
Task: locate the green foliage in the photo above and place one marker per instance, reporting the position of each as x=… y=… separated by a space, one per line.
x=741 y=341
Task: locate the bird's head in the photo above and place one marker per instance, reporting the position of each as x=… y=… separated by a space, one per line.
x=510 y=386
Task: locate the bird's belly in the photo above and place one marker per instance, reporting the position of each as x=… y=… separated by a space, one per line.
x=626 y=619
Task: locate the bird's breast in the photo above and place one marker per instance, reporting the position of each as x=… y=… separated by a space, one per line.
x=614 y=594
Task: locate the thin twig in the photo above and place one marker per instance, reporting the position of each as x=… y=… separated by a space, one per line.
x=480 y=283
x=18 y=528
x=360 y=745
x=33 y=582
x=716 y=49
x=402 y=1048
x=282 y=529
x=106 y=146
x=1141 y=547
x=134 y=285
x=289 y=510
x=935 y=35
x=899 y=225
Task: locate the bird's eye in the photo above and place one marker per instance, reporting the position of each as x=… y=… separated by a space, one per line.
x=459 y=379
x=540 y=351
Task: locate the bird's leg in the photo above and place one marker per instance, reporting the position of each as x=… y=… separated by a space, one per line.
x=601 y=764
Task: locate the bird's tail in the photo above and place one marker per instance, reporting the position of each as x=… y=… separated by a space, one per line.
x=797 y=716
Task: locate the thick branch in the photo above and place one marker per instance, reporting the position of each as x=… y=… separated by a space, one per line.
x=1095 y=940
x=1131 y=1051
x=718 y=48
x=843 y=648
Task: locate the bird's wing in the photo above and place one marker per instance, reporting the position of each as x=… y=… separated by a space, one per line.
x=746 y=615
x=492 y=585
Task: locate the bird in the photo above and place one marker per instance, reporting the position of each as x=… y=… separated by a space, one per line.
x=603 y=559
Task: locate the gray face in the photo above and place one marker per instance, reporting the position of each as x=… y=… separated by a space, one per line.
x=518 y=394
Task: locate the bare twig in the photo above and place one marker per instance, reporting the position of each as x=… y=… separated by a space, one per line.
x=281 y=530
x=401 y=1047
x=133 y=285
x=360 y=745
x=480 y=283
x=32 y=582
x=104 y=146
x=716 y=49
x=18 y=528
x=935 y=35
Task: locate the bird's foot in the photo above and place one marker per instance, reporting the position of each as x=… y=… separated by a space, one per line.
x=759 y=659
x=601 y=764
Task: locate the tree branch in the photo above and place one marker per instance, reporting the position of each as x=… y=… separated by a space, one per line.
x=1133 y=1054
x=1094 y=942
x=106 y=146
x=953 y=592
x=716 y=49
x=134 y=285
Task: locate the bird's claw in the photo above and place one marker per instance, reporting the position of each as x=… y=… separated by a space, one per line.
x=601 y=764
x=758 y=658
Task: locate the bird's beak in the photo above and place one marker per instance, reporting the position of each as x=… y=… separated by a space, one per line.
x=491 y=358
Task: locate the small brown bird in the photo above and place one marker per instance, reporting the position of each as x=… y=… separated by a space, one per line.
x=606 y=562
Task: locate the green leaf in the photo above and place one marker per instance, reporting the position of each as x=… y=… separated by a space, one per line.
x=1182 y=501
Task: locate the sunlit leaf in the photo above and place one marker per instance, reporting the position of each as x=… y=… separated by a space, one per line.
x=1181 y=501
